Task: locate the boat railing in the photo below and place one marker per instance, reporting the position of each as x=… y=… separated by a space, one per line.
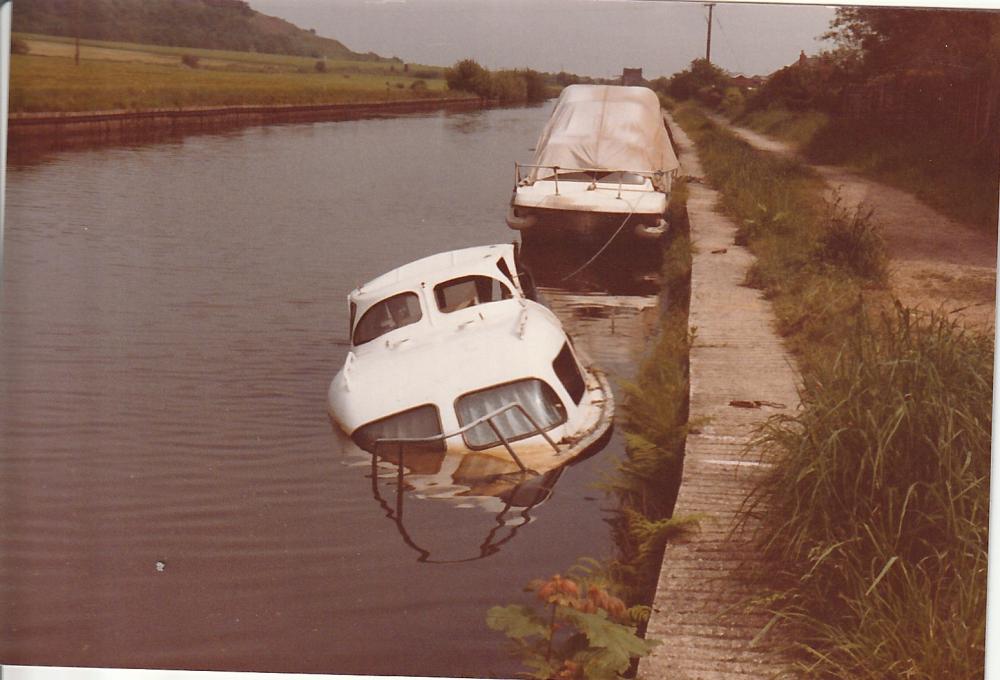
x=489 y=419
x=519 y=180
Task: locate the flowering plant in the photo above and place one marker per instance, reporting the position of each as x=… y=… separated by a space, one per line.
x=583 y=632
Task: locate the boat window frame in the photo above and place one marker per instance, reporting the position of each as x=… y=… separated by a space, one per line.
x=438 y=295
x=560 y=406
x=570 y=355
x=383 y=301
x=439 y=445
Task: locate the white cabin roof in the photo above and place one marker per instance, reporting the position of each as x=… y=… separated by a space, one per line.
x=436 y=268
x=443 y=363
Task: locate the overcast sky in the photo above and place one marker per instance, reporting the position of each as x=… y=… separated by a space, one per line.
x=588 y=37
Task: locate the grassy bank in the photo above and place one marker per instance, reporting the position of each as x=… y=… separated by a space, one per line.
x=132 y=77
x=655 y=424
x=922 y=160
x=875 y=509
x=587 y=627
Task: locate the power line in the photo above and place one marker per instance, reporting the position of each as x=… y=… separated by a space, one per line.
x=727 y=43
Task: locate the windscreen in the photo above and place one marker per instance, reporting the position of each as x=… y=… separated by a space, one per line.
x=537 y=398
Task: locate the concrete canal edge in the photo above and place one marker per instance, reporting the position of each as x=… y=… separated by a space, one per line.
x=28 y=126
x=740 y=374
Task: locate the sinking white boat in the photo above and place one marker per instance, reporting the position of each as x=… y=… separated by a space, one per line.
x=603 y=164
x=457 y=375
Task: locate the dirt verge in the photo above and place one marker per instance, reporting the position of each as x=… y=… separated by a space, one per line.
x=936 y=263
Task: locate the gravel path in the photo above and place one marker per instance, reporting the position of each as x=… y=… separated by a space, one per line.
x=935 y=262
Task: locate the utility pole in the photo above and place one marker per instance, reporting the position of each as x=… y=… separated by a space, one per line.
x=708 y=44
x=76 y=22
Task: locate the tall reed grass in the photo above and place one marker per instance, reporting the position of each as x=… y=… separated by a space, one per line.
x=878 y=502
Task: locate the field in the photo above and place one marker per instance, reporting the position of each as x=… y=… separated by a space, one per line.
x=115 y=76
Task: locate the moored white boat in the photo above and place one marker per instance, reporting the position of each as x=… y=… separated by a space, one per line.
x=603 y=164
x=459 y=376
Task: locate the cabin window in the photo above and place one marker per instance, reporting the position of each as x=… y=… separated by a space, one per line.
x=536 y=397
x=569 y=374
x=623 y=178
x=602 y=176
x=387 y=315
x=422 y=421
x=469 y=291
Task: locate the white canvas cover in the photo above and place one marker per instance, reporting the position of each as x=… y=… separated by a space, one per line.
x=606 y=127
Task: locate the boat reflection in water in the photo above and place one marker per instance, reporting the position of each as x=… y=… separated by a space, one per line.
x=620 y=269
x=463 y=480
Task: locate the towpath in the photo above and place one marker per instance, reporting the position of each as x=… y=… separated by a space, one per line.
x=936 y=262
x=704 y=610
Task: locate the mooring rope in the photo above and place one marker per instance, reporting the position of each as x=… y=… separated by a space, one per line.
x=586 y=264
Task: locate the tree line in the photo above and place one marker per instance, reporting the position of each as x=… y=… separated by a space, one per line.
x=511 y=85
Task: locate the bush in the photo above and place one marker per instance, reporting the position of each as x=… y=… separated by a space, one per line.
x=702 y=75
x=732 y=102
x=190 y=60
x=468 y=76
x=536 y=89
x=321 y=66
x=509 y=86
x=418 y=86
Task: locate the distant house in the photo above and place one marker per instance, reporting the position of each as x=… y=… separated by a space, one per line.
x=746 y=82
x=632 y=76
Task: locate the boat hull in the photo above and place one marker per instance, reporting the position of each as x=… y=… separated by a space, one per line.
x=547 y=225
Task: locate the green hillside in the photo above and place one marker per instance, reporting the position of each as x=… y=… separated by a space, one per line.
x=208 y=24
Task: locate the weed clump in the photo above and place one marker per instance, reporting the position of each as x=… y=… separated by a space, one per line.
x=851 y=239
x=878 y=503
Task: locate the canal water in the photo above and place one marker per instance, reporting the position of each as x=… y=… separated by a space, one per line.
x=171 y=490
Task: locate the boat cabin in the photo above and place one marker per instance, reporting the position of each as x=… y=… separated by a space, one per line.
x=444 y=346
